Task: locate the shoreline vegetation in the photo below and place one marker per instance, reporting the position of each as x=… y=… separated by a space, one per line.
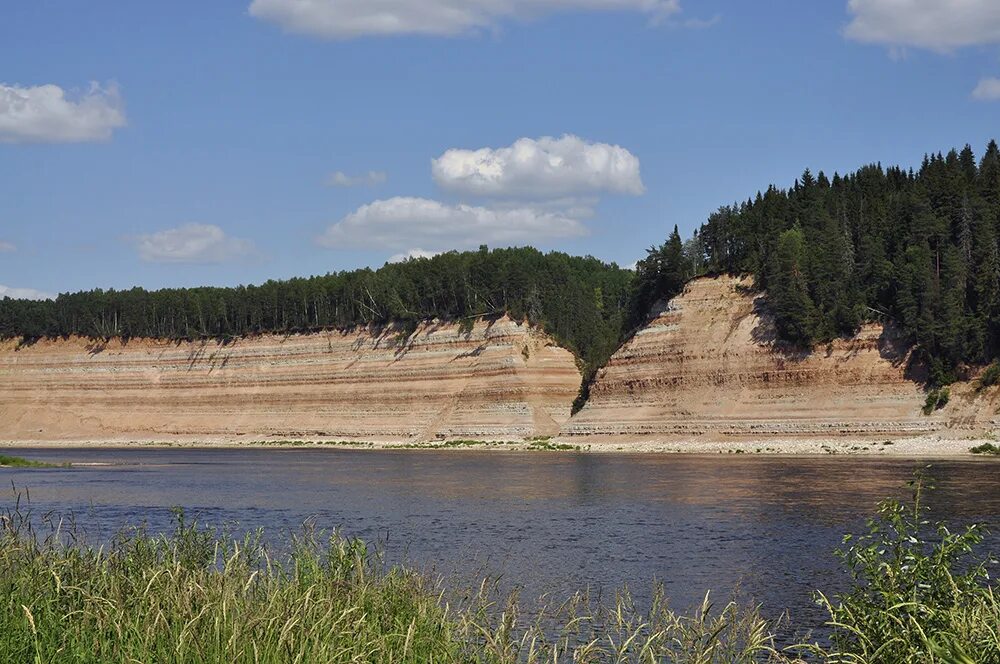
x=7 y=461
x=919 y=593
x=918 y=447
x=986 y=449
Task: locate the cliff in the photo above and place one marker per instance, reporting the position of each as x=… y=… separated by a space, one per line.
x=501 y=380
x=708 y=367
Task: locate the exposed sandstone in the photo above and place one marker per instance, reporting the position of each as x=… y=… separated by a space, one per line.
x=501 y=380
x=708 y=367
x=706 y=371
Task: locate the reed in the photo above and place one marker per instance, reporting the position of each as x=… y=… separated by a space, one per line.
x=195 y=596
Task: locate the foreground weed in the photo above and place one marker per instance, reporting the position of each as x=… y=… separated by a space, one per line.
x=920 y=593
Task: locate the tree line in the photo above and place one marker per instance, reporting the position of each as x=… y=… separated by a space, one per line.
x=581 y=301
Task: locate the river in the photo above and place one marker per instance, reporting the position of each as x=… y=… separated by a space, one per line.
x=545 y=522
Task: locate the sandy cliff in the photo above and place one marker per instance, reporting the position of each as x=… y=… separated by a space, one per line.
x=708 y=368
x=502 y=380
x=704 y=374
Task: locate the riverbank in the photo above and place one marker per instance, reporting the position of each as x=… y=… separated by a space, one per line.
x=929 y=446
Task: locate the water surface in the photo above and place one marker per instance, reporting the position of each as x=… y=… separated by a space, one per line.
x=546 y=522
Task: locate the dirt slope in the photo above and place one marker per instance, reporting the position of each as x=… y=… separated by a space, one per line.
x=502 y=380
x=708 y=368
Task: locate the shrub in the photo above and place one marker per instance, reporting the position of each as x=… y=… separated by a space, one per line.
x=919 y=592
x=989 y=377
x=986 y=448
x=936 y=400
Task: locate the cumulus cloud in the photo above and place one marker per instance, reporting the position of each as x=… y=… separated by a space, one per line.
x=540 y=168
x=191 y=243
x=412 y=253
x=369 y=179
x=6 y=247
x=47 y=114
x=402 y=222
x=24 y=293
x=938 y=25
x=346 y=19
x=987 y=90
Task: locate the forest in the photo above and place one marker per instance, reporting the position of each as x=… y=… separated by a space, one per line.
x=915 y=249
x=581 y=302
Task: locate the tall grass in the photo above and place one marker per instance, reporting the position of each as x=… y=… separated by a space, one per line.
x=194 y=596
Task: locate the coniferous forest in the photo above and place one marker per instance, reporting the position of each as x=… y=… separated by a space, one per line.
x=917 y=249
x=582 y=302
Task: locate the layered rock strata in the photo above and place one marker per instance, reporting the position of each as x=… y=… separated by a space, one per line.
x=501 y=380
x=708 y=367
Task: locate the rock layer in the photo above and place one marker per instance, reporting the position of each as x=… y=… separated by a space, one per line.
x=708 y=367
x=501 y=380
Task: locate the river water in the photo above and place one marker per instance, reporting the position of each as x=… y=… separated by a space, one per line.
x=545 y=522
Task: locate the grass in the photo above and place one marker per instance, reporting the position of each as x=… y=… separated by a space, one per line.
x=545 y=445
x=920 y=594
x=310 y=443
x=540 y=443
x=18 y=462
x=986 y=448
x=452 y=444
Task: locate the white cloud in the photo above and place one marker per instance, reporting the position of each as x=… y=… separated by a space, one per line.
x=938 y=25
x=191 y=243
x=369 y=179
x=45 y=114
x=701 y=23
x=346 y=19
x=987 y=90
x=540 y=168
x=412 y=253
x=6 y=247
x=399 y=223
x=24 y=293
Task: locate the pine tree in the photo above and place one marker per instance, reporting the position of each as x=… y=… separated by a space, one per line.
x=788 y=294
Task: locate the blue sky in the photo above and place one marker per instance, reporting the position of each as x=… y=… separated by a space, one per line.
x=190 y=143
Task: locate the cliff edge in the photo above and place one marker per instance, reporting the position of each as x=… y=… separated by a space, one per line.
x=709 y=367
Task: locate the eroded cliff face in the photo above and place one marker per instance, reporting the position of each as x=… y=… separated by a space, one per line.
x=708 y=368
x=502 y=380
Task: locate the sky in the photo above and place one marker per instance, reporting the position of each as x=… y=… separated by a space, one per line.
x=187 y=143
